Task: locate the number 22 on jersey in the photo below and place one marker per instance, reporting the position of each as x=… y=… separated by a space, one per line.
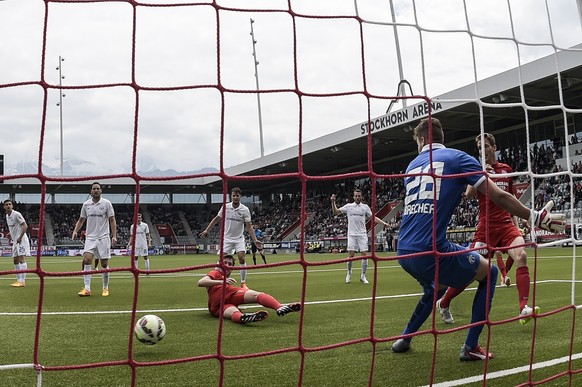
x=422 y=187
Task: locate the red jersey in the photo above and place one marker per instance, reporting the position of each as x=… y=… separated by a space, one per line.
x=215 y=292
x=488 y=209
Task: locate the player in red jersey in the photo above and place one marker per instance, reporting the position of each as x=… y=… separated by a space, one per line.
x=234 y=296
x=503 y=231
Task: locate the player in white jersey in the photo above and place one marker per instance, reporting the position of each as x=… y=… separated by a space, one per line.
x=238 y=217
x=20 y=244
x=358 y=213
x=143 y=241
x=100 y=217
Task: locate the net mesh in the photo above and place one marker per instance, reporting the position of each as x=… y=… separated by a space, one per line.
x=368 y=92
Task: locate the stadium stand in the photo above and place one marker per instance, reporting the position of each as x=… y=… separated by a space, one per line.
x=279 y=219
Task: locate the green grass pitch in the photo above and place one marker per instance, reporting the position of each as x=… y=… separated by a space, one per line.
x=78 y=331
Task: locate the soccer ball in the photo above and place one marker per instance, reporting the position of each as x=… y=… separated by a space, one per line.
x=149 y=329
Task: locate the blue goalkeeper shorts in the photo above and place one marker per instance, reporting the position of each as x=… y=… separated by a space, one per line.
x=456 y=271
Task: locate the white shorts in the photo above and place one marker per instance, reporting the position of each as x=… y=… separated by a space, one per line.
x=21 y=250
x=358 y=243
x=100 y=248
x=141 y=251
x=233 y=247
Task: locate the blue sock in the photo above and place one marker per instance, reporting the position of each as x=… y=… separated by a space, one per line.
x=480 y=308
x=422 y=311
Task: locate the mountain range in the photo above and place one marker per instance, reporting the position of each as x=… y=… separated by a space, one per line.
x=78 y=167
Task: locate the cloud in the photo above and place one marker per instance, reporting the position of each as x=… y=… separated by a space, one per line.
x=192 y=72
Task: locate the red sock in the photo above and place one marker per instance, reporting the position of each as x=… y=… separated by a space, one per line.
x=508 y=265
x=501 y=265
x=449 y=295
x=236 y=316
x=522 y=283
x=268 y=301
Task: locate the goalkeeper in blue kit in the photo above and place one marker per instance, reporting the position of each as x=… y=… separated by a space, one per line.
x=431 y=199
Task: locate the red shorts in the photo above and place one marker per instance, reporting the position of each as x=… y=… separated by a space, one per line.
x=499 y=235
x=232 y=298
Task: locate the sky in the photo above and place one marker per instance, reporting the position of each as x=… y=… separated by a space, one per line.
x=191 y=76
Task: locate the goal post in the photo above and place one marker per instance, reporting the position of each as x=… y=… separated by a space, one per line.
x=172 y=87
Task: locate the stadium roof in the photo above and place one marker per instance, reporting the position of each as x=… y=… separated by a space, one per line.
x=500 y=98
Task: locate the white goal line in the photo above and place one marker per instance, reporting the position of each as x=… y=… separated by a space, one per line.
x=503 y=373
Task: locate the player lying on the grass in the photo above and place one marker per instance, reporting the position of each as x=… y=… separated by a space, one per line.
x=234 y=296
x=432 y=195
x=498 y=228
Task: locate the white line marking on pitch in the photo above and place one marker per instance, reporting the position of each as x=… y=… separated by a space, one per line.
x=250 y=272
x=512 y=371
x=248 y=306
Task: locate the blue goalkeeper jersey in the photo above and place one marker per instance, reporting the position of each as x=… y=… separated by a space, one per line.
x=416 y=229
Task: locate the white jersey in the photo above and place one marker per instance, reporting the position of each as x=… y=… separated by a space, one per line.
x=141 y=232
x=97 y=215
x=234 y=224
x=357 y=216
x=14 y=222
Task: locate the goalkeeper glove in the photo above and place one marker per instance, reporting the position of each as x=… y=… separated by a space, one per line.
x=546 y=220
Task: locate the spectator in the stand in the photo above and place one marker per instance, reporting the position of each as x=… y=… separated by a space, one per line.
x=237 y=218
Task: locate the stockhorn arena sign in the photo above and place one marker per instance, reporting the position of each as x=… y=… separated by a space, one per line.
x=399 y=117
